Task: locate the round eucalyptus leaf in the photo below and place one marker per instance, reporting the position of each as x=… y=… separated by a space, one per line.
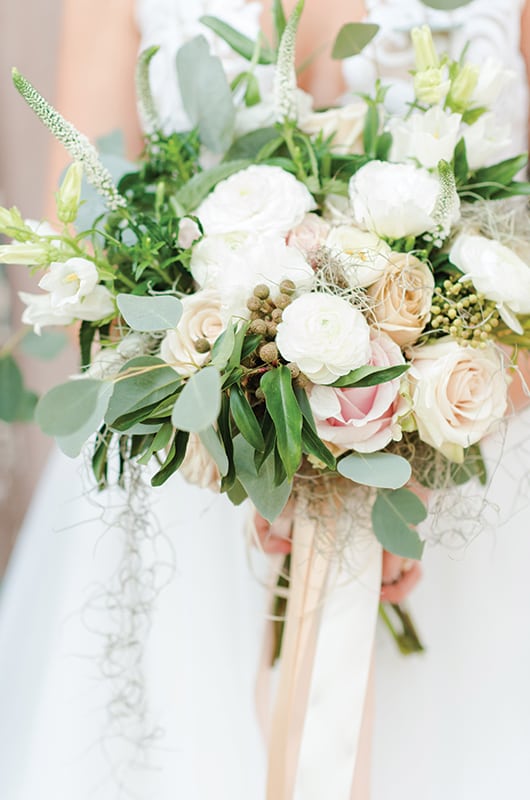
x=445 y=5
x=394 y=515
x=11 y=389
x=199 y=403
x=78 y=405
x=46 y=346
x=147 y=314
x=383 y=470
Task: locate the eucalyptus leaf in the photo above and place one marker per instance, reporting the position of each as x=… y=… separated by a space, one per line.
x=174 y=459
x=284 y=410
x=239 y=43
x=196 y=189
x=445 y=5
x=206 y=94
x=46 y=346
x=394 y=515
x=199 y=403
x=26 y=407
x=383 y=470
x=280 y=20
x=370 y=376
x=268 y=498
x=249 y=145
x=149 y=314
x=353 y=38
x=223 y=347
x=143 y=380
x=11 y=388
x=76 y=407
x=210 y=439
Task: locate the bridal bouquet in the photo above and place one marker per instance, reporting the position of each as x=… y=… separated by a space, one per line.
x=313 y=293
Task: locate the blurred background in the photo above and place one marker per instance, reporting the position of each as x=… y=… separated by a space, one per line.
x=29 y=33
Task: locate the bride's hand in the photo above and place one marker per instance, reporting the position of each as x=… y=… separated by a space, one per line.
x=400 y=576
x=276 y=538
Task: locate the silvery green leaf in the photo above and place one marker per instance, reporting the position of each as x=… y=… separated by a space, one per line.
x=11 y=388
x=148 y=381
x=353 y=38
x=199 y=403
x=238 y=41
x=73 y=411
x=383 y=470
x=394 y=515
x=210 y=439
x=148 y=314
x=206 y=94
x=260 y=486
x=223 y=347
x=46 y=346
x=445 y=5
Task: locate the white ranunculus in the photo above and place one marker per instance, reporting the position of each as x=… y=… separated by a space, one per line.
x=458 y=394
x=69 y=282
x=259 y=199
x=486 y=141
x=201 y=319
x=492 y=78
x=394 y=200
x=495 y=271
x=343 y=125
x=234 y=264
x=39 y=312
x=363 y=255
x=428 y=137
x=324 y=335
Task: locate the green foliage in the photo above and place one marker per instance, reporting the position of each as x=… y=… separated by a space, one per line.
x=73 y=411
x=285 y=413
x=251 y=145
x=353 y=38
x=279 y=19
x=240 y=43
x=199 y=403
x=46 y=346
x=445 y=5
x=268 y=497
x=143 y=382
x=496 y=182
x=16 y=402
x=383 y=470
x=394 y=515
x=213 y=444
x=370 y=376
x=150 y=314
x=174 y=458
x=245 y=419
x=206 y=94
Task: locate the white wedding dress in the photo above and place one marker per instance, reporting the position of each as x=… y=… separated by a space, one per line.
x=454 y=722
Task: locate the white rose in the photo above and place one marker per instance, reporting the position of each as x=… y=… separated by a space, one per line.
x=344 y=126
x=428 y=136
x=310 y=235
x=69 y=282
x=495 y=271
x=235 y=263
x=363 y=255
x=199 y=467
x=259 y=199
x=201 y=319
x=324 y=335
x=486 y=141
x=402 y=298
x=492 y=78
x=394 y=200
x=39 y=312
x=458 y=394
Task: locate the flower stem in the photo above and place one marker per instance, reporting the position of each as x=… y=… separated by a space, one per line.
x=407 y=639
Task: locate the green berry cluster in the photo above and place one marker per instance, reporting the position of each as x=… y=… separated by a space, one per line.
x=459 y=310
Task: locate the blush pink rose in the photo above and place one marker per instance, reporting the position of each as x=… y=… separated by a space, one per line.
x=310 y=235
x=362 y=419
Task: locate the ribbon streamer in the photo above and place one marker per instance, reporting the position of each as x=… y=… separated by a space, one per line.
x=325 y=663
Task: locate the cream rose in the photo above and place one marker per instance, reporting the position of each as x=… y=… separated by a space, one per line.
x=497 y=272
x=201 y=319
x=394 y=200
x=458 y=394
x=363 y=255
x=362 y=419
x=324 y=335
x=402 y=298
x=344 y=126
x=199 y=467
x=259 y=200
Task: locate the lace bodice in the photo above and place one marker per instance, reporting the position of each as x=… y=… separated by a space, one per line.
x=491 y=29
